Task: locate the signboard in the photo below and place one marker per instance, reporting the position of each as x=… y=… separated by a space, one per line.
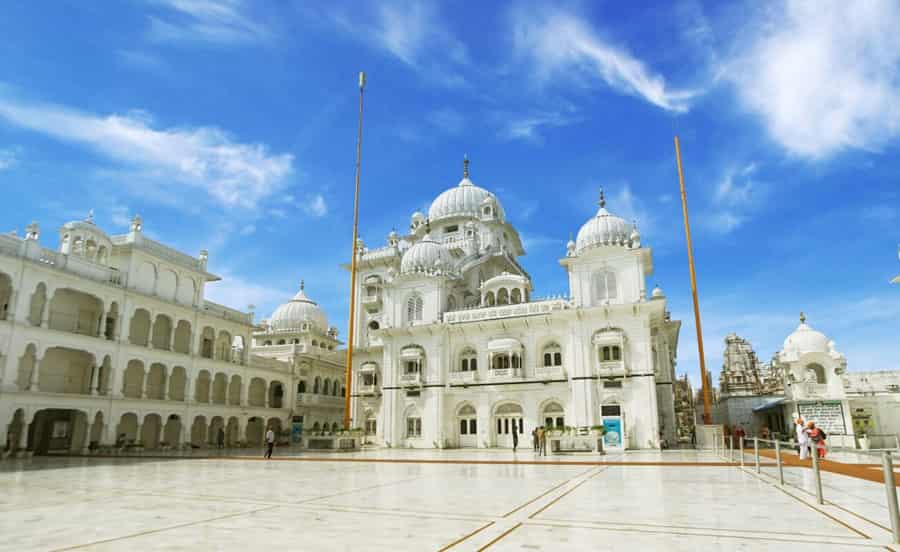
x=829 y=415
x=613 y=435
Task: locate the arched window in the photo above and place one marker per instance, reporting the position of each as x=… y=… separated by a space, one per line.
x=316 y=384
x=814 y=373
x=281 y=342
x=414 y=308
x=468 y=360
x=325 y=386
x=413 y=424
x=553 y=415
x=267 y=342
x=503 y=296
x=552 y=355
x=451 y=303
x=301 y=387
x=604 y=283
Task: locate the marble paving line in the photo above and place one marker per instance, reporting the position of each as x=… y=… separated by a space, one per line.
x=513 y=462
x=883 y=539
x=838 y=506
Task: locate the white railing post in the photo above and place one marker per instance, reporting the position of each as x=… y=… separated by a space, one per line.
x=731 y=448
x=817 y=474
x=778 y=461
x=756 y=452
x=741 y=445
x=890 y=486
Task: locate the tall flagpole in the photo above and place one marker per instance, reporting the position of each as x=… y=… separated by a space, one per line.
x=690 y=249
x=348 y=380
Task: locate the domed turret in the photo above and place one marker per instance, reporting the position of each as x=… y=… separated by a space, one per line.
x=464 y=200
x=805 y=340
x=606 y=229
x=426 y=257
x=299 y=310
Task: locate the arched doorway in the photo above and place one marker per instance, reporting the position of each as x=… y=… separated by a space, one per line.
x=255 y=431
x=172 y=432
x=507 y=419
x=467 y=424
x=215 y=425
x=198 y=431
x=233 y=432
x=150 y=430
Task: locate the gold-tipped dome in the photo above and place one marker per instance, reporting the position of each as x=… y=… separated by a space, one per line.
x=605 y=229
x=464 y=200
x=299 y=310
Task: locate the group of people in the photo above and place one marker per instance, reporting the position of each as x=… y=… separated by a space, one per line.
x=539 y=440
x=809 y=436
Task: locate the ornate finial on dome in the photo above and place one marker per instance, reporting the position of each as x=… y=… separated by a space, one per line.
x=136 y=223
x=466 y=166
x=302 y=285
x=802 y=318
x=602 y=199
x=90 y=217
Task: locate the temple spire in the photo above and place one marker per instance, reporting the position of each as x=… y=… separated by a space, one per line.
x=302 y=285
x=602 y=201
x=802 y=318
x=466 y=166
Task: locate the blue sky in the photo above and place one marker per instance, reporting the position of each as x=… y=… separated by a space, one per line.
x=230 y=125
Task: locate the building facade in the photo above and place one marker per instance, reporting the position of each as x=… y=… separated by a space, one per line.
x=454 y=351
x=299 y=335
x=109 y=340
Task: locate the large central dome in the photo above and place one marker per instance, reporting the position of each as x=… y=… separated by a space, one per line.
x=464 y=200
x=300 y=309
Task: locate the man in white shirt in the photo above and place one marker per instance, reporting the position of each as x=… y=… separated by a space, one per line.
x=802 y=438
x=270 y=443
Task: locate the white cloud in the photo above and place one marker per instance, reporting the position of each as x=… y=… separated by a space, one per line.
x=823 y=76
x=120 y=215
x=529 y=126
x=561 y=45
x=623 y=203
x=8 y=158
x=206 y=158
x=248 y=230
x=733 y=199
x=413 y=32
x=316 y=206
x=210 y=21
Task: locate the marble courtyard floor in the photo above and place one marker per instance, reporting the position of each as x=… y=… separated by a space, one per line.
x=432 y=500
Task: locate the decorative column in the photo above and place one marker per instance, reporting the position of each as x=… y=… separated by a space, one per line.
x=137 y=435
x=34 y=386
x=45 y=313
x=245 y=390
x=101 y=332
x=172 y=339
x=145 y=383
x=23 y=435
x=190 y=385
x=165 y=384
x=95 y=379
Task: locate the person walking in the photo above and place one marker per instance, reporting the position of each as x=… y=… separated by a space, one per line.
x=542 y=444
x=534 y=439
x=802 y=438
x=220 y=439
x=817 y=439
x=270 y=443
x=515 y=435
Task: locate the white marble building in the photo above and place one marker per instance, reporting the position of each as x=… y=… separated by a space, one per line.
x=455 y=352
x=298 y=334
x=110 y=338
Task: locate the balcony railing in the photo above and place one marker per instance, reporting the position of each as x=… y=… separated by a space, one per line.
x=554 y=372
x=504 y=373
x=372 y=303
x=368 y=390
x=468 y=376
x=506 y=311
x=611 y=368
x=314 y=399
x=411 y=378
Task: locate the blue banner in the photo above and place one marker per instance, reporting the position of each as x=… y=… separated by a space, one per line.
x=613 y=435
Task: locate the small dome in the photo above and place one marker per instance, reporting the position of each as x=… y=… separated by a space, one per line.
x=300 y=309
x=657 y=292
x=464 y=200
x=805 y=340
x=426 y=256
x=505 y=278
x=605 y=229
